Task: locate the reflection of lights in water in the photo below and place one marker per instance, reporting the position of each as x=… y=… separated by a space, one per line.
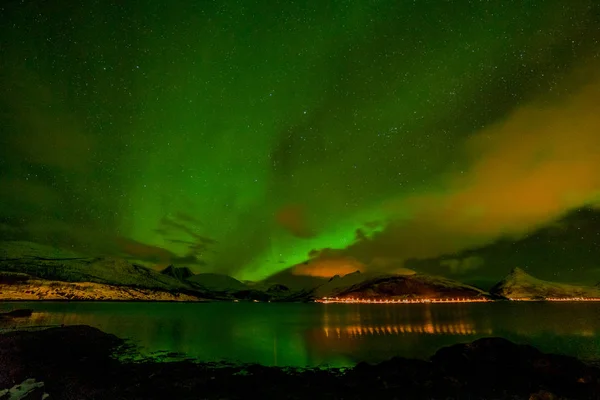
x=396 y=301
x=429 y=329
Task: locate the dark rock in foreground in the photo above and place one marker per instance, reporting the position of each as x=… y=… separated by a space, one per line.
x=76 y=363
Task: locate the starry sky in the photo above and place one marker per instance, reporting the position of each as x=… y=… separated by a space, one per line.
x=248 y=137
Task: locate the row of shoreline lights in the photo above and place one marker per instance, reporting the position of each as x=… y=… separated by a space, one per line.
x=400 y=301
x=451 y=300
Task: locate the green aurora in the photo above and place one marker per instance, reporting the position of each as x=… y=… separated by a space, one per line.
x=243 y=137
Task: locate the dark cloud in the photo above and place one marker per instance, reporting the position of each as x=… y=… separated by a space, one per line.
x=460 y=266
x=181 y=227
x=182 y=216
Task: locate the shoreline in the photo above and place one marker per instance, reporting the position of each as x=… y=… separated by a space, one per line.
x=361 y=302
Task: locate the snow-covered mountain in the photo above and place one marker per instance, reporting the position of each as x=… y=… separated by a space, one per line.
x=518 y=284
x=62 y=271
x=337 y=284
x=50 y=263
x=413 y=286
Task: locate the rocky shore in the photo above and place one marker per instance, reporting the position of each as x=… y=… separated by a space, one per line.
x=81 y=362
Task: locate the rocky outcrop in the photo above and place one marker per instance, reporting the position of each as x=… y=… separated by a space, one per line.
x=29 y=389
x=76 y=362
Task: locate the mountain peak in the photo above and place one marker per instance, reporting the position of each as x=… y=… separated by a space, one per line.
x=180 y=273
x=518 y=284
x=337 y=276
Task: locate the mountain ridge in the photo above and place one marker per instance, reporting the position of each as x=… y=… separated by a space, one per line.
x=29 y=264
x=520 y=285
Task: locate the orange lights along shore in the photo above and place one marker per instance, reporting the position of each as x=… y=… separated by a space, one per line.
x=396 y=301
x=455 y=300
x=561 y=299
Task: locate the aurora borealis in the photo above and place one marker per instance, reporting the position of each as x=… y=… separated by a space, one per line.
x=248 y=137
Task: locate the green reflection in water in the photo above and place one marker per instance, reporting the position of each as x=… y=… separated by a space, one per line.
x=328 y=334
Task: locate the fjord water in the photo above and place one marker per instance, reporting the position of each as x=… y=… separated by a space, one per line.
x=326 y=334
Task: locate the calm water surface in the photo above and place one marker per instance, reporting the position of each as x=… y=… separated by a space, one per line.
x=327 y=334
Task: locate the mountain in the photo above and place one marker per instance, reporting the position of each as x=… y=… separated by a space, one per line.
x=17 y=286
x=31 y=271
x=338 y=284
x=415 y=286
x=227 y=288
x=518 y=284
x=66 y=274
x=179 y=273
x=296 y=282
x=50 y=263
x=217 y=282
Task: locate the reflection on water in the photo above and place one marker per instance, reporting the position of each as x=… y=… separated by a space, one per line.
x=333 y=334
x=428 y=329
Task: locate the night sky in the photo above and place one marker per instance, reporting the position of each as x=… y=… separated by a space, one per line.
x=246 y=137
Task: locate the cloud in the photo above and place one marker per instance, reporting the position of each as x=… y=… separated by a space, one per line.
x=168 y=225
x=294 y=219
x=188 y=218
x=185 y=224
x=328 y=267
x=144 y=251
x=527 y=170
x=461 y=266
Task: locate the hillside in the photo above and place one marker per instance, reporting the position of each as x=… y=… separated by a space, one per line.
x=51 y=273
x=47 y=262
x=179 y=273
x=519 y=285
x=17 y=286
x=414 y=286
